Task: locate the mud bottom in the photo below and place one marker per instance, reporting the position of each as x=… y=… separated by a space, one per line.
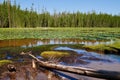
x=26 y=72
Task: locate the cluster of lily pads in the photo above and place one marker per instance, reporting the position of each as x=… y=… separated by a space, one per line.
x=60 y=33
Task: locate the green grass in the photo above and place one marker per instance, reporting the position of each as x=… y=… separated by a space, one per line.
x=100 y=47
x=116 y=44
x=2 y=62
x=60 y=33
x=114 y=47
x=54 y=54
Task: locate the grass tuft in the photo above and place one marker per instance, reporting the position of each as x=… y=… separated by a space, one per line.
x=55 y=54
x=114 y=47
x=3 y=62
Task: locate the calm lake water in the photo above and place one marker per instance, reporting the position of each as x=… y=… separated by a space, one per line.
x=38 y=42
x=84 y=58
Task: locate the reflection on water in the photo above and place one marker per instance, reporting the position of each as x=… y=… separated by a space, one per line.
x=37 y=42
x=83 y=58
x=92 y=56
x=94 y=60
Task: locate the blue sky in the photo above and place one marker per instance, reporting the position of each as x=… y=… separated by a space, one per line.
x=104 y=6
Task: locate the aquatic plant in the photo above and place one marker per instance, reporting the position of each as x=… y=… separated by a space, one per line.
x=116 y=44
x=2 y=62
x=106 y=48
x=54 y=54
x=60 y=33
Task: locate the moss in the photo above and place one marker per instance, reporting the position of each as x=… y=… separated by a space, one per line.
x=110 y=48
x=98 y=47
x=115 y=44
x=54 y=54
x=3 y=62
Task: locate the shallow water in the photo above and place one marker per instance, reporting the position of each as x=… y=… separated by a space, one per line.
x=86 y=54
x=38 y=42
x=84 y=58
x=88 y=57
x=94 y=60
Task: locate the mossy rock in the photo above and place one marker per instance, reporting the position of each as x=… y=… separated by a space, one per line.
x=54 y=54
x=2 y=62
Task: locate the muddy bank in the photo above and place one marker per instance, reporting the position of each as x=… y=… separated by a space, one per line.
x=25 y=71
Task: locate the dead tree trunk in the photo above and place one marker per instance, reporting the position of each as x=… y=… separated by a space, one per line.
x=110 y=75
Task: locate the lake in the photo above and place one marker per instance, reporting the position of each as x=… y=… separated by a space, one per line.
x=84 y=58
x=38 y=42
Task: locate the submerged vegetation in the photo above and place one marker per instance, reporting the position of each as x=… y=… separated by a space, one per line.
x=37 y=49
x=14 y=52
x=9 y=52
x=60 y=33
x=16 y=23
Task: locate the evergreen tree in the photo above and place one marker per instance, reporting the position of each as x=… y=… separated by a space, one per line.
x=13 y=16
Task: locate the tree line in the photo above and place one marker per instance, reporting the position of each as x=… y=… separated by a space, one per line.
x=12 y=16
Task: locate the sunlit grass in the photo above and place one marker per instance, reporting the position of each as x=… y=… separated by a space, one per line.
x=98 y=47
x=60 y=33
x=54 y=54
x=2 y=62
x=115 y=47
x=116 y=44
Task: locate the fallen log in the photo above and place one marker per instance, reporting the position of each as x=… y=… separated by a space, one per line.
x=103 y=74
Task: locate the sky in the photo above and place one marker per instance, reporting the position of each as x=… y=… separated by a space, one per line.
x=104 y=6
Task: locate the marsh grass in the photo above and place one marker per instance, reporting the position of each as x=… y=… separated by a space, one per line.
x=54 y=54
x=97 y=47
x=114 y=47
x=15 y=51
x=3 y=62
x=116 y=44
x=60 y=33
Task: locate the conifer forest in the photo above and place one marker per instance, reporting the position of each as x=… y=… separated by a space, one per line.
x=12 y=16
